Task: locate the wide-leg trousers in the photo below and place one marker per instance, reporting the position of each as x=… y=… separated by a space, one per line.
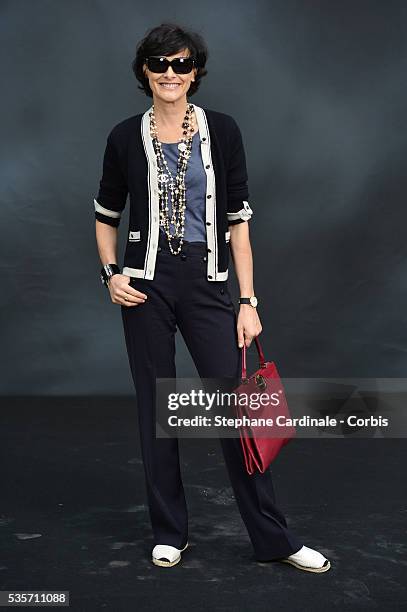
x=181 y=297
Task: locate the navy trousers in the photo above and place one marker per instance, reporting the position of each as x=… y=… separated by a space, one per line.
x=180 y=296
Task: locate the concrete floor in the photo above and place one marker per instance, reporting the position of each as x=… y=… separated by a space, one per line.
x=74 y=517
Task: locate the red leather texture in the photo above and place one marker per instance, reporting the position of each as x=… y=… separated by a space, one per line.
x=259 y=448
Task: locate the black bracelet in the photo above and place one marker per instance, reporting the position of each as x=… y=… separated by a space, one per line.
x=107 y=272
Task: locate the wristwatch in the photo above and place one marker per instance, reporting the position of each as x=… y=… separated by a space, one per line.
x=107 y=272
x=249 y=300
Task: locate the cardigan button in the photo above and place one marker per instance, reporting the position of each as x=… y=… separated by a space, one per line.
x=209 y=276
x=209 y=250
x=208 y=166
x=209 y=196
x=208 y=223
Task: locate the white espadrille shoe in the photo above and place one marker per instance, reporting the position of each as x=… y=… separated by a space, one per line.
x=166 y=556
x=309 y=560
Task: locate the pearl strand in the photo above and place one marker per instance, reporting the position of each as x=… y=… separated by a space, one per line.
x=176 y=186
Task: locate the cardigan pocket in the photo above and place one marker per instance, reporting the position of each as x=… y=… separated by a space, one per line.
x=134 y=236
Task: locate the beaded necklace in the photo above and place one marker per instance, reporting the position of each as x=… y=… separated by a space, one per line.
x=167 y=183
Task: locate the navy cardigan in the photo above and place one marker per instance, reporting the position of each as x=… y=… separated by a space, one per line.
x=129 y=168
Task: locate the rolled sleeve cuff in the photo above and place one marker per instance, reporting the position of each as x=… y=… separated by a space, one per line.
x=106 y=215
x=244 y=214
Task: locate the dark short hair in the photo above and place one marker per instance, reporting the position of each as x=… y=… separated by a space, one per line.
x=168 y=39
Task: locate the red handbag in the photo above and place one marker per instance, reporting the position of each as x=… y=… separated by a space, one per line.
x=259 y=448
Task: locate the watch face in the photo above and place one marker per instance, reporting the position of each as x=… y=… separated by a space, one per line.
x=253 y=301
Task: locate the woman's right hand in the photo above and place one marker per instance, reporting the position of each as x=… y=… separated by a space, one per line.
x=123 y=293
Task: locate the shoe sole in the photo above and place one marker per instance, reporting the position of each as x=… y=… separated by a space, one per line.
x=315 y=570
x=161 y=563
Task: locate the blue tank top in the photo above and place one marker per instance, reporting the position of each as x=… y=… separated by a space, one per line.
x=195 y=184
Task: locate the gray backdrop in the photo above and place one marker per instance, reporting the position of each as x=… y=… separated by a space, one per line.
x=319 y=91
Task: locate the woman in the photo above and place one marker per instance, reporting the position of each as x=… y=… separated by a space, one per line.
x=185 y=170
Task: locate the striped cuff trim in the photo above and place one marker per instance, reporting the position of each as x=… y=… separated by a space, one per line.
x=244 y=213
x=106 y=211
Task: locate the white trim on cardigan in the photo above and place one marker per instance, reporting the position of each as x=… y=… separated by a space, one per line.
x=154 y=210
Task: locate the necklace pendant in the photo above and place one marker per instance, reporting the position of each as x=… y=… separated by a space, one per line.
x=182 y=146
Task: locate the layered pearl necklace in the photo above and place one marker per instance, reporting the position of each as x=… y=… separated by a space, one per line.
x=174 y=185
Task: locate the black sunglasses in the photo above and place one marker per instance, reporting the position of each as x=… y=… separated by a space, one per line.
x=180 y=65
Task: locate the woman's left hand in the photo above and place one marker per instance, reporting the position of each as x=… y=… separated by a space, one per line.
x=248 y=325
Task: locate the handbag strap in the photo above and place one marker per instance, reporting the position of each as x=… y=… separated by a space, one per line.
x=260 y=353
